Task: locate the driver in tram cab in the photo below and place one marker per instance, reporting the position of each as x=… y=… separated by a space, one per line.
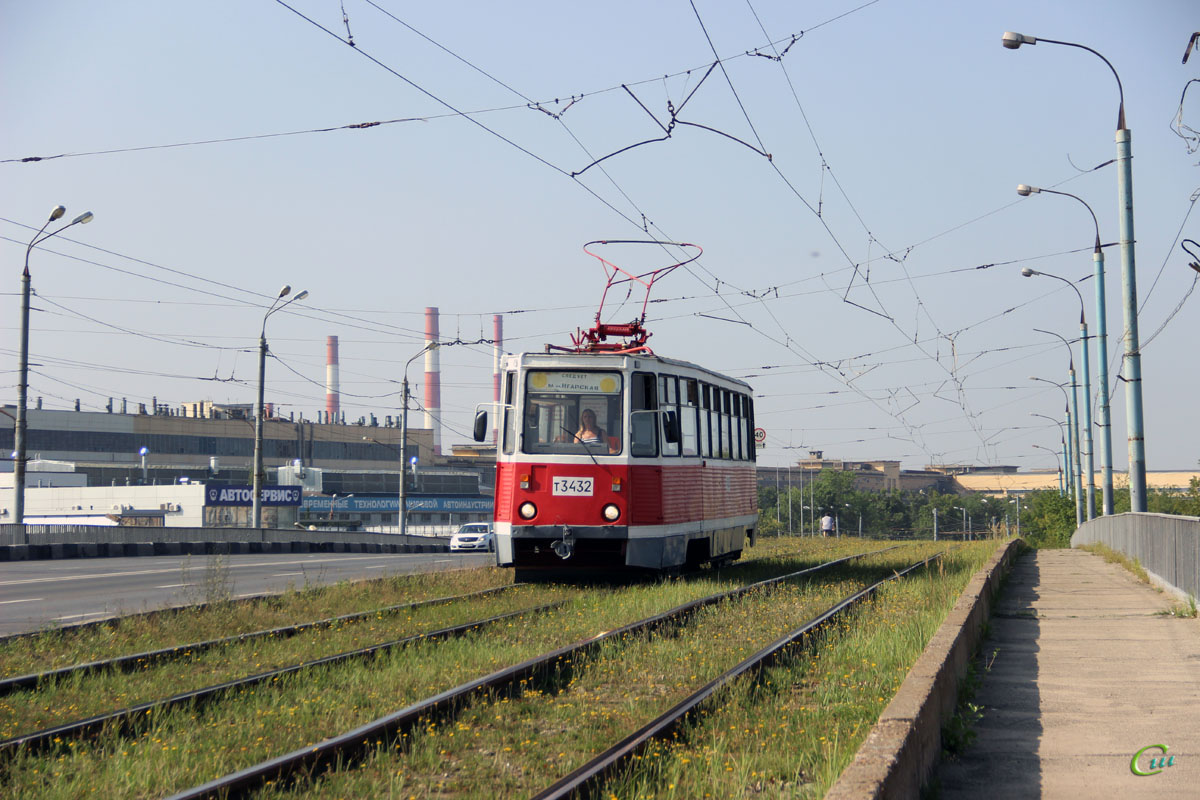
x=589 y=432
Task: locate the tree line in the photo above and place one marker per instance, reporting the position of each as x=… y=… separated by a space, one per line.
x=1047 y=519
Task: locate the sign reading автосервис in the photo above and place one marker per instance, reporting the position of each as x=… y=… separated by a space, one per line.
x=244 y=495
x=575 y=382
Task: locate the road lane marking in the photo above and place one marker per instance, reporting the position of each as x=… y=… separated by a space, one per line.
x=178 y=567
x=25 y=600
x=174 y=585
x=285 y=574
x=82 y=616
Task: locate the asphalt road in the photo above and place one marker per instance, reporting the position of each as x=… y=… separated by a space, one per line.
x=40 y=594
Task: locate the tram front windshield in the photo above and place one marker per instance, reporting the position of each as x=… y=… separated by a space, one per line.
x=572 y=412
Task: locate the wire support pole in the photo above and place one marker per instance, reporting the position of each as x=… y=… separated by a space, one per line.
x=1132 y=372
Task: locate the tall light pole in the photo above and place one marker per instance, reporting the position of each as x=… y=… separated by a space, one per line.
x=23 y=379
x=1073 y=442
x=1132 y=372
x=1057 y=461
x=404 y=435
x=966 y=523
x=256 y=499
x=1087 y=392
x=1105 y=423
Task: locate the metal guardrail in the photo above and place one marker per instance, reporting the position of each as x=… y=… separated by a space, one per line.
x=1166 y=545
x=21 y=542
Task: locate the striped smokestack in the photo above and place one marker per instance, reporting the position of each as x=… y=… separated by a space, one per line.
x=332 y=401
x=433 y=381
x=498 y=348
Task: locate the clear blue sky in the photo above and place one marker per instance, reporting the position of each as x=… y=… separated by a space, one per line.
x=866 y=331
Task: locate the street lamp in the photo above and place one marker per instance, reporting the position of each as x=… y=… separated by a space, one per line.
x=1073 y=437
x=143 y=452
x=404 y=434
x=1017 y=500
x=23 y=379
x=1105 y=423
x=1057 y=464
x=256 y=499
x=859 y=521
x=1132 y=372
x=966 y=520
x=1086 y=424
x=1065 y=466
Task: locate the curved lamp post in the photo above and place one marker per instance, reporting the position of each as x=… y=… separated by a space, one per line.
x=1105 y=423
x=256 y=499
x=404 y=435
x=1132 y=372
x=23 y=380
x=1073 y=442
x=1062 y=439
x=1086 y=424
x=1057 y=464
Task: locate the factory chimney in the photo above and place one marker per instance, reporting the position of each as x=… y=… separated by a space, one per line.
x=331 y=378
x=433 y=381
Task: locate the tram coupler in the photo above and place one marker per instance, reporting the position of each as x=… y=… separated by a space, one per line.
x=564 y=548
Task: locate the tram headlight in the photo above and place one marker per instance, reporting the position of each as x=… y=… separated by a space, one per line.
x=611 y=512
x=527 y=510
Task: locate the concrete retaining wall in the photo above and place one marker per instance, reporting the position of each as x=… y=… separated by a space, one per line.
x=25 y=542
x=900 y=752
x=1167 y=546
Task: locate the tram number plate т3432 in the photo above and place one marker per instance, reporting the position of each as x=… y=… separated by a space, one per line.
x=576 y=487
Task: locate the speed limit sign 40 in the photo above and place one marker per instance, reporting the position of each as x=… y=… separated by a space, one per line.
x=760 y=437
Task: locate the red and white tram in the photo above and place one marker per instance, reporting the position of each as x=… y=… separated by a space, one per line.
x=612 y=458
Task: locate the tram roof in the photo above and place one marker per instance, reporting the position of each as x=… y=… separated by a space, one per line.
x=627 y=362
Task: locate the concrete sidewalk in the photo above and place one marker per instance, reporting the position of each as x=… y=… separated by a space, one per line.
x=1085 y=671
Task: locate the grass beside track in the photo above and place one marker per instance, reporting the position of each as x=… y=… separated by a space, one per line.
x=792 y=732
x=185 y=747
x=515 y=746
x=83 y=695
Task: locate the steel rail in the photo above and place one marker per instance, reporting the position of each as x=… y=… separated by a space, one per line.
x=346 y=747
x=39 y=740
x=129 y=663
x=586 y=776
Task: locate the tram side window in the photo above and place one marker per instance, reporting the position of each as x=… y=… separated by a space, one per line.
x=750 y=427
x=510 y=416
x=689 y=399
x=726 y=427
x=705 y=430
x=668 y=404
x=643 y=419
x=735 y=416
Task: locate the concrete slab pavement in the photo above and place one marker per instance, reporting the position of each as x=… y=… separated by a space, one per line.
x=1086 y=669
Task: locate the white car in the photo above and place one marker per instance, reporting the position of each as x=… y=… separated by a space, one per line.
x=473 y=536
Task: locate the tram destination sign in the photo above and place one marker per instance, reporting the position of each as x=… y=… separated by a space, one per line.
x=575 y=382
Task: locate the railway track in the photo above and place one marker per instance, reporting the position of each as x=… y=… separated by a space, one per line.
x=121 y=718
x=351 y=746
x=142 y=660
x=586 y=777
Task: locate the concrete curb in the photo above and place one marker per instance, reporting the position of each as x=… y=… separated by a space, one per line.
x=30 y=552
x=900 y=752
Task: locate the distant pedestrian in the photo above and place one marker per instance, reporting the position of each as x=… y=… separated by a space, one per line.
x=826 y=525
